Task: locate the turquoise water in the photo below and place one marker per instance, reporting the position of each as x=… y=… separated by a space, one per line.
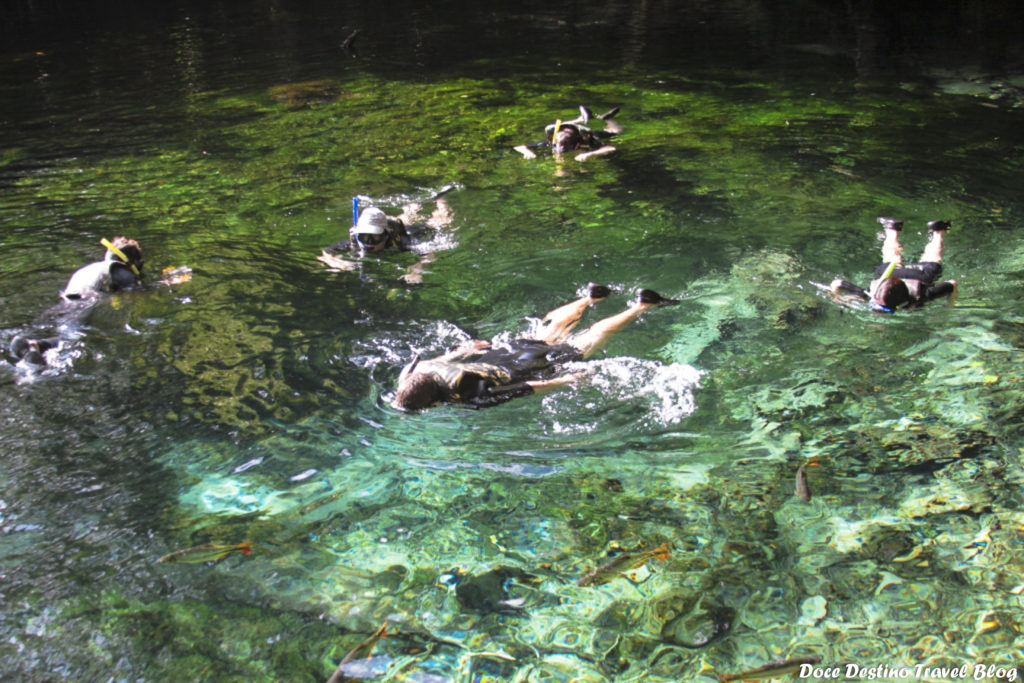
x=251 y=402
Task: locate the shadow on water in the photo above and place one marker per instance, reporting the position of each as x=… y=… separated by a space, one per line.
x=251 y=402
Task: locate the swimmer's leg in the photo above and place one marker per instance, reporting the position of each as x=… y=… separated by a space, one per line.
x=557 y=324
x=597 y=335
x=892 y=251
x=936 y=237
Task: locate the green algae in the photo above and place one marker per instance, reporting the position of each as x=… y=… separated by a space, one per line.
x=732 y=192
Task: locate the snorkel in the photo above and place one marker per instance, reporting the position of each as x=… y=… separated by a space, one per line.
x=355 y=221
x=554 y=135
x=120 y=254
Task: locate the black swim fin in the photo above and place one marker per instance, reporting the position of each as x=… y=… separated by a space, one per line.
x=649 y=296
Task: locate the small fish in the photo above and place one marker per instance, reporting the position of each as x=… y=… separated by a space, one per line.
x=802 y=491
x=367 y=644
x=773 y=670
x=623 y=563
x=845 y=171
x=207 y=552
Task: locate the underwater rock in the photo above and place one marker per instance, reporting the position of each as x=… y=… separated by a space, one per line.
x=1011 y=331
x=563 y=668
x=391 y=578
x=700 y=627
x=578 y=637
x=808 y=393
x=942 y=502
x=779 y=306
x=480 y=668
x=692 y=621
x=984 y=86
x=907 y=446
x=488 y=592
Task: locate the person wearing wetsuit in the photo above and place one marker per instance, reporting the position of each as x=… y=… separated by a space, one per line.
x=569 y=136
x=897 y=284
x=376 y=232
x=479 y=375
x=120 y=269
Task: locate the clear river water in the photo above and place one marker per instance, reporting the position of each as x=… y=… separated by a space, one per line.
x=251 y=401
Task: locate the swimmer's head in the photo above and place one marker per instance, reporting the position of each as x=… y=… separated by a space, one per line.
x=891 y=293
x=125 y=251
x=567 y=138
x=371 y=230
x=417 y=391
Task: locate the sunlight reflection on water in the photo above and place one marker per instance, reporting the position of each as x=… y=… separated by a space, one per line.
x=259 y=409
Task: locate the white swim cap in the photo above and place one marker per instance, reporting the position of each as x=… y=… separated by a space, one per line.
x=371 y=221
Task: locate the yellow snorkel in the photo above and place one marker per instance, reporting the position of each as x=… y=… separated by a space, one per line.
x=554 y=133
x=120 y=254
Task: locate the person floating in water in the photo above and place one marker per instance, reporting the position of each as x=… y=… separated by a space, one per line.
x=568 y=136
x=897 y=284
x=479 y=375
x=120 y=269
x=375 y=232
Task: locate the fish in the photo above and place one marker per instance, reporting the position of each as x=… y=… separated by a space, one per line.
x=623 y=563
x=367 y=644
x=802 y=491
x=207 y=552
x=773 y=670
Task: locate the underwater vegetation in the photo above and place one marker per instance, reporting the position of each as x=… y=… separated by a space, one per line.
x=757 y=479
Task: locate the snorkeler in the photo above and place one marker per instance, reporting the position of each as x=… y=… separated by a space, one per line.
x=568 y=136
x=120 y=269
x=896 y=284
x=376 y=232
x=480 y=376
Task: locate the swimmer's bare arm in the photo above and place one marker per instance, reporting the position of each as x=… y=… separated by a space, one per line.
x=542 y=385
x=600 y=151
x=337 y=263
x=840 y=287
x=525 y=151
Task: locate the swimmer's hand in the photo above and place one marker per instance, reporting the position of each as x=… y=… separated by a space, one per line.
x=525 y=151
x=413 y=277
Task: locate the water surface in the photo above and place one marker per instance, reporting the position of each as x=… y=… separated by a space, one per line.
x=250 y=403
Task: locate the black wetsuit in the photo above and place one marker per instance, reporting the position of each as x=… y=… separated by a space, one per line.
x=499 y=374
x=919 y=278
x=80 y=295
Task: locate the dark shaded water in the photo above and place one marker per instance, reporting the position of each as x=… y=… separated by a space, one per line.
x=249 y=403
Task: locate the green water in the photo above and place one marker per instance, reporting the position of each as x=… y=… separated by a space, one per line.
x=251 y=402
